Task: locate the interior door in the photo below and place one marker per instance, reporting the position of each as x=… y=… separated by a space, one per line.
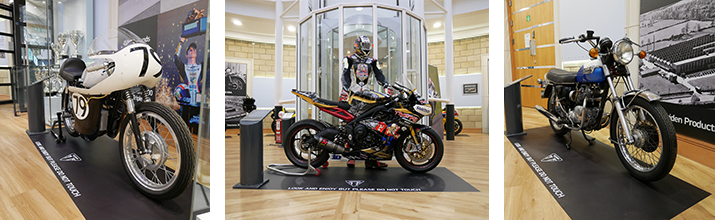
x=531 y=35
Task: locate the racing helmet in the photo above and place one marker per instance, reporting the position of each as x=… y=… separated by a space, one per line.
x=362 y=46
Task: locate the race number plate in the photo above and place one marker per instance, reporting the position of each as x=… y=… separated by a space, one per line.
x=79 y=106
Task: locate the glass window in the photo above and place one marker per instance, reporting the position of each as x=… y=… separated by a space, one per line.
x=358 y=22
x=389 y=50
x=413 y=51
x=306 y=65
x=329 y=59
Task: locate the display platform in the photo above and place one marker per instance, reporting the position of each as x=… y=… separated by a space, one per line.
x=391 y=179
x=589 y=182
x=93 y=176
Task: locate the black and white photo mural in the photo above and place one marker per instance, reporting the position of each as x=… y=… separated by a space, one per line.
x=235 y=91
x=679 y=38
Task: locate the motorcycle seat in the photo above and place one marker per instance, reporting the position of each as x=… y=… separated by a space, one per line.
x=72 y=69
x=561 y=76
x=318 y=101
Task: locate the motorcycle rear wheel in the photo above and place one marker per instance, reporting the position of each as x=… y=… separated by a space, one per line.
x=296 y=147
x=653 y=154
x=558 y=129
x=420 y=161
x=67 y=116
x=457 y=126
x=167 y=170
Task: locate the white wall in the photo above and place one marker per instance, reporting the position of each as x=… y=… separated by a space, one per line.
x=263 y=91
x=606 y=18
x=461 y=100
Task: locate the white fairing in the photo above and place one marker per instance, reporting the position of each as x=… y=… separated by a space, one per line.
x=136 y=64
x=423 y=109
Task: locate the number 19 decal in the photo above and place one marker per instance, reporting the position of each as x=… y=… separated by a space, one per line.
x=79 y=106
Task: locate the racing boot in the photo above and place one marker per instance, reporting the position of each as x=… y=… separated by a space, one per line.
x=351 y=163
x=374 y=164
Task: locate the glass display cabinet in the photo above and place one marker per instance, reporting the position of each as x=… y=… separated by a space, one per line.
x=326 y=35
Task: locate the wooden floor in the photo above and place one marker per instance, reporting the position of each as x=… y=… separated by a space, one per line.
x=527 y=198
x=28 y=186
x=466 y=156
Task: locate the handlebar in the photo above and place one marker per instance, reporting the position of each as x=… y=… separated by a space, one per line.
x=581 y=38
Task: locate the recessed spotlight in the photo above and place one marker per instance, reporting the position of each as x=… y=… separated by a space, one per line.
x=437 y=24
x=237 y=22
x=291 y=28
x=358 y=9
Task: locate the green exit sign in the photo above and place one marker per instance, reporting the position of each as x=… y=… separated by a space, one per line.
x=528 y=18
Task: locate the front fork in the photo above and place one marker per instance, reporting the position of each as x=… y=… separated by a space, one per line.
x=131 y=113
x=617 y=101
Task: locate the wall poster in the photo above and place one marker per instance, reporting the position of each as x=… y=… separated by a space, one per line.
x=679 y=38
x=237 y=74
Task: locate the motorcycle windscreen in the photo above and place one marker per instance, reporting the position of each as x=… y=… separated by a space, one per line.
x=86 y=112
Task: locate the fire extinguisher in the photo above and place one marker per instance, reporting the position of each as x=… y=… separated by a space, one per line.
x=279 y=130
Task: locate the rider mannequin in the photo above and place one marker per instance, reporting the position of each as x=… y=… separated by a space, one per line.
x=357 y=68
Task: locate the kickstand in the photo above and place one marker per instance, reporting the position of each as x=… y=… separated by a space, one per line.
x=591 y=141
x=568 y=145
x=58 y=137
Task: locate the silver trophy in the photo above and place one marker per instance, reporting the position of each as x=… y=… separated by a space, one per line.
x=56 y=49
x=62 y=40
x=75 y=37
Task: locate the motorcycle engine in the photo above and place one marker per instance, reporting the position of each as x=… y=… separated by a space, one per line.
x=586 y=112
x=370 y=132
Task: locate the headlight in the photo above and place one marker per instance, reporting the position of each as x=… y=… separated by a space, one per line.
x=623 y=52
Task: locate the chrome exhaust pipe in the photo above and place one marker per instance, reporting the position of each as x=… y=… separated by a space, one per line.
x=329 y=145
x=548 y=114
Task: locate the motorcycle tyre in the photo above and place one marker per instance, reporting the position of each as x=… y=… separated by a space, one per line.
x=668 y=138
x=431 y=165
x=188 y=153
x=71 y=131
x=457 y=126
x=288 y=149
x=551 y=107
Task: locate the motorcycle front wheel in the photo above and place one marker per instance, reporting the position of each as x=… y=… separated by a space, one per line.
x=420 y=157
x=655 y=148
x=457 y=126
x=297 y=147
x=166 y=168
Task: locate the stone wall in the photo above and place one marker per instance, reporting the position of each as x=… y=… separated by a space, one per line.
x=263 y=56
x=5 y=78
x=467 y=55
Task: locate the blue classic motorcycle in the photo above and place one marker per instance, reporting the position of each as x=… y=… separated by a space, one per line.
x=641 y=131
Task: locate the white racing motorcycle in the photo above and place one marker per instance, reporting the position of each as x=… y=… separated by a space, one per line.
x=155 y=144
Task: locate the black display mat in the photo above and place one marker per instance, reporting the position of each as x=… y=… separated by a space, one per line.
x=104 y=189
x=589 y=182
x=391 y=179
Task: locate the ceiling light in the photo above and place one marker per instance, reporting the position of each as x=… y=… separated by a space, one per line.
x=291 y=28
x=358 y=9
x=237 y=22
x=437 y=24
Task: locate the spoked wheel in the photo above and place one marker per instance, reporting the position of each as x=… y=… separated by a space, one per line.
x=653 y=153
x=166 y=167
x=559 y=129
x=422 y=155
x=67 y=117
x=297 y=148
